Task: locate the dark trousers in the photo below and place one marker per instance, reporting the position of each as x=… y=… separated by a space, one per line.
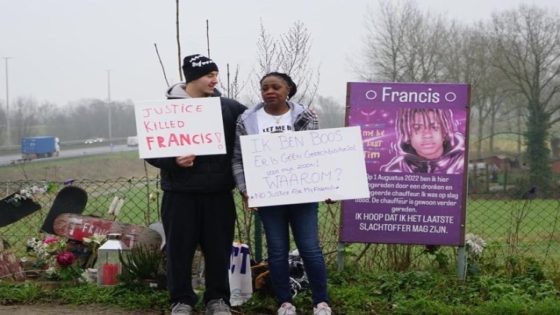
x=189 y=220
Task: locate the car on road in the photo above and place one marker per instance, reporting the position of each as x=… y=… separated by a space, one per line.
x=94 y=140
x=132 y=141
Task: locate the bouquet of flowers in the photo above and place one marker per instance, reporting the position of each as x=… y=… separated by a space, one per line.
x=53 y=258
x=29 y=192
x=93 y=243
x=475 y=245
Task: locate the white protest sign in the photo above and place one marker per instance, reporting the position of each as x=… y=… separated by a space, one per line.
x=304 y=166
x=178 y=127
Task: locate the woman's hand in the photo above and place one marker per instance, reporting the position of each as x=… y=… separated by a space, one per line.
x=185 y=160
x=245 y=198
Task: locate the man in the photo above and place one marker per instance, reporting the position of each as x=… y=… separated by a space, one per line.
x=426 y=136
x=428 y=142
x=197 y=206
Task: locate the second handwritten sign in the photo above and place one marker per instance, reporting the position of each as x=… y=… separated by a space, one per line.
x=305 y=166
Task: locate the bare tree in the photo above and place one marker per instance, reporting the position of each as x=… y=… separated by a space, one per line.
x=385 y=41
x=403 y=44
x=3 y=126
x=179 y=59
x=267 y=47
x=233 y=85
x=528 y=43
x=331 y=113
x=469 y=58
x=290 y=53
x=24 y=118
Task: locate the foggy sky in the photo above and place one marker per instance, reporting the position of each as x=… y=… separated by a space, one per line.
x=61 y=49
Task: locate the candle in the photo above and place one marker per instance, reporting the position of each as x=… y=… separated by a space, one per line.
x=110 y=272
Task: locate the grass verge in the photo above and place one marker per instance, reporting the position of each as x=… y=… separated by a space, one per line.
x=351 y=293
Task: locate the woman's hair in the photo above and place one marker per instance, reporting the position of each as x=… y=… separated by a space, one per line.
x=291 y=85
x=405 y=122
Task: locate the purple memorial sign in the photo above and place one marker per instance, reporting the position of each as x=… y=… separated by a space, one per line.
x=415 y=144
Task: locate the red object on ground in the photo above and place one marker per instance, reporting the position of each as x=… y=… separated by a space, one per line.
x=76 y=227
x=110 y=272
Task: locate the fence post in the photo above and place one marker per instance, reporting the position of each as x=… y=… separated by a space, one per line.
x=258 y=238
x=506 y=167
x=461 y=262
x=340 y=256
x=487 y=177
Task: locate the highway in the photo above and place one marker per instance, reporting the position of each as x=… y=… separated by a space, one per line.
x=67 y=152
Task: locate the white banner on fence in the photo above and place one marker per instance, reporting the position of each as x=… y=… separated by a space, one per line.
x=304 y=166
x=178 y=127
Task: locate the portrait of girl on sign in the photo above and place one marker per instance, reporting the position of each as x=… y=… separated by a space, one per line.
x=427 y=142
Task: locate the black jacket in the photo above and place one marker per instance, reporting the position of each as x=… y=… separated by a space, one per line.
x=209 y=173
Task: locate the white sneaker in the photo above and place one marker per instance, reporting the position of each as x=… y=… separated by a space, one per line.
x=217 y=307
x=287 y=309
x=181 y=309
x=322 y=309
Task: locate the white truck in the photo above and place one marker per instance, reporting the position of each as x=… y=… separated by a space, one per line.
x=132 y=141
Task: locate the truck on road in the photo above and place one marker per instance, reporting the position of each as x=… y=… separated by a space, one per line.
x=39 y=147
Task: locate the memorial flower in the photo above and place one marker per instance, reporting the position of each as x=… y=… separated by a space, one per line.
x=50 y=239
x=65 y=258
x=93 y=243
x=53 y=259
x=29 y=193
x=475 y=244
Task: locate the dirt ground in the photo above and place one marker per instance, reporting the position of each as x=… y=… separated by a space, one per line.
x=50 y=309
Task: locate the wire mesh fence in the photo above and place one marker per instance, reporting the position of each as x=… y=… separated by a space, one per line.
x=510 y=226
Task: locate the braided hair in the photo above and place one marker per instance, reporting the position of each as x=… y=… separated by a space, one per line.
x=443 y=118
x=291 y=85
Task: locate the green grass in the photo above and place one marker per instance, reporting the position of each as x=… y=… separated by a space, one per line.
x=34 y=292
x=352 y=292
x=540 y=215
x=94 y=167
x=537 y=223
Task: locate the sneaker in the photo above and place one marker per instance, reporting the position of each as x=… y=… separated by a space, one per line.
x=181 y=309
x=322 y=309
x=217 y=307
x=287 y=309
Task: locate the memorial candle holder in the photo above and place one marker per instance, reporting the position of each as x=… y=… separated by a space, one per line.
x=108 y=263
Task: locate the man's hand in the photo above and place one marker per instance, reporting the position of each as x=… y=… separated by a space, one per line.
x=185 y=160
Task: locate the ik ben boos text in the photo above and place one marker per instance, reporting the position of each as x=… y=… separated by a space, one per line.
x=304 y=163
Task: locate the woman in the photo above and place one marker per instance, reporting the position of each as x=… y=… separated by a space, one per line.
x=277 y=114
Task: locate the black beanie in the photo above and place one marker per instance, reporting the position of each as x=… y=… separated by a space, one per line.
x=196 y=66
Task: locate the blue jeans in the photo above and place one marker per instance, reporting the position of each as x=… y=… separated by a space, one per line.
x=302 y=218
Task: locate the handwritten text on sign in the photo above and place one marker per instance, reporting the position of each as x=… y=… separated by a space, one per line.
x=179 y=127
x=304 y=166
